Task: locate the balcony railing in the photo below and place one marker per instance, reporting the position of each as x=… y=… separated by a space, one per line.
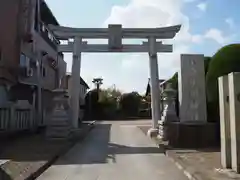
x=48 y=35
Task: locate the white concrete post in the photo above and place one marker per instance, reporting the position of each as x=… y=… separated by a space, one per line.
x=234 y=104
x=75 y=81
x=224 y=122
x=154 y=80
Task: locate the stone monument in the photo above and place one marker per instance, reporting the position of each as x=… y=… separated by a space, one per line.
x=193 y=130
x=192 y=92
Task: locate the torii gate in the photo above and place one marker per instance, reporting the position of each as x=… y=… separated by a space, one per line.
x=115 y=34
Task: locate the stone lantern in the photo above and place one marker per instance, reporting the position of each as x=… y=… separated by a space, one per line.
x=169 y=112
x=58 y=125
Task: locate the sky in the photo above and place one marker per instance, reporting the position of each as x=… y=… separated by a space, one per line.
x=207 y=25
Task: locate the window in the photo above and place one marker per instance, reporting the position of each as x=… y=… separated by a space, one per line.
x=24 y=60
x=60 y=82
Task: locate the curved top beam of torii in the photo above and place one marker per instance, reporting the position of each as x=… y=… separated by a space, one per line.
x=64 y=33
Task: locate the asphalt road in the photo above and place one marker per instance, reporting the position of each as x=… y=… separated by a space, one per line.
x=115 y=151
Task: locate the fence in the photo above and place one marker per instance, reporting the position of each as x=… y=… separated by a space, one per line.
x=14 y=118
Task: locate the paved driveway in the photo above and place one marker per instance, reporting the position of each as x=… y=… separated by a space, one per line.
x=114 y=151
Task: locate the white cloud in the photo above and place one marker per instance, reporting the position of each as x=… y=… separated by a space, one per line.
x=216 y=35
x=230 y=22
x=197 y=38
x=202 y=6
x=189 y=1
x=152 y=13
x=212 y=34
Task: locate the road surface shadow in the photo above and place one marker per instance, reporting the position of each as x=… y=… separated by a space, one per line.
x=97 y=149
x=32 y=147
x=121 y=149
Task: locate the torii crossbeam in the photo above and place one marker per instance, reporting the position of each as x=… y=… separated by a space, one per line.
x=115 y=34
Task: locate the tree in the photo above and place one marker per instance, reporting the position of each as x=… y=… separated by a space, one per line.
x=174 y=81
x=91 y=104
x=226 y=60
x=130 y=103
x=108 y=102
x=206 y=63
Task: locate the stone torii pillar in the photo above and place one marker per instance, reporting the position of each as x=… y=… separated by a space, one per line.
x=75 y=81
x=155 y=89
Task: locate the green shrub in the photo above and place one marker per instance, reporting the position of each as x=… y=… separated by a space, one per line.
x=174 y=81
x=130 y=103
x=206 y=63
x=226 y=60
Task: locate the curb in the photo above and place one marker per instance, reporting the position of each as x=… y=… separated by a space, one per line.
x=189 y=173
x=38 y=172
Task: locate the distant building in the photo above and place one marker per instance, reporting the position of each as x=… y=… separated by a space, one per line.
x=83 y=91
x=161 y=85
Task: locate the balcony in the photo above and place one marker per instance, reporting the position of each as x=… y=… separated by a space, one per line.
x=48 y=36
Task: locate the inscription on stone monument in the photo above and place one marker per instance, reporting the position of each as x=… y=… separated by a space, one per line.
x=192 y=88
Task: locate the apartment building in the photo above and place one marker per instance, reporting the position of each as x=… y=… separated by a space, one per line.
x=29 y=60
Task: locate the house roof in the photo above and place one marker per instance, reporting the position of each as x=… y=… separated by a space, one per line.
x=82 y=82
x=149 y=87
x=47 y=15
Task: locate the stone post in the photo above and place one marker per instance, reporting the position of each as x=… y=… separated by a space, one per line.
x=234 y=104
x=224 y=122
x=155 y=91
x=75 y=82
